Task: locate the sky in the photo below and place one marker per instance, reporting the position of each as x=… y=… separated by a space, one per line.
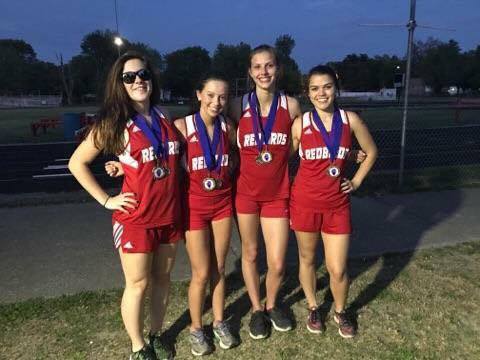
x=324 y=30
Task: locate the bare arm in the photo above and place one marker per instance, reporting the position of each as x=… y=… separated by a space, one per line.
x=78 y=165
x=181 y=127
x=232 y=132
x=367 y=145
x=294 y=108
x=296 y=134
x=234 y=110
x=233 y=154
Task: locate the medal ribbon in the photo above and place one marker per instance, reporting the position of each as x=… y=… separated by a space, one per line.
x=210 y=148
x=153 y=133
x=332 y=141
x=257 y=120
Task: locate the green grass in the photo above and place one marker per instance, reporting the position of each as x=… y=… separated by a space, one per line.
x=409 y=306
x=15 y=123
x=418 y=118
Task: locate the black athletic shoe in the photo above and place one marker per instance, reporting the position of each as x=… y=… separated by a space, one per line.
x=259 y=325
x=279 y=319
x=163 y=351
x=145 y=353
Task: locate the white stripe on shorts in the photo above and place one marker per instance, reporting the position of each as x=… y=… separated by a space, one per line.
x=117 y=234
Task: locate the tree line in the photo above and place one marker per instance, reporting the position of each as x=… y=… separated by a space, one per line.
x=439 y=63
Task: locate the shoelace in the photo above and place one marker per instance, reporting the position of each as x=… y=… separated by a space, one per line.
x=199 y=337
x=258 y=316
x=222 y=328
x=343 y=319
x=315 y=315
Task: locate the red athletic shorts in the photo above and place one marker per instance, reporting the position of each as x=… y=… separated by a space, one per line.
x=137 y=239
x=330 y=221
x=270 y=209
x=202 y=210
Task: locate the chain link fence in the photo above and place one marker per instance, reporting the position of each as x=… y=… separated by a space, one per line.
x=25 y=101
x=442 y=147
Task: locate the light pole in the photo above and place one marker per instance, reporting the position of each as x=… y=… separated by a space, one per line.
x=116 y=15
x=117 y=40
x=398 y=82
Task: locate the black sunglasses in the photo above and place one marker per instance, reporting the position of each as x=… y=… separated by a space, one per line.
x=130 y=76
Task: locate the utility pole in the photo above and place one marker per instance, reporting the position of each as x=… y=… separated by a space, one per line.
x=411 y=28
x=411 y=25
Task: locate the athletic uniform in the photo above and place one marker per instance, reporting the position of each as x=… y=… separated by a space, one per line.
x=263 y=189
x=317 y=202
x=204 y=206
x=155 y=220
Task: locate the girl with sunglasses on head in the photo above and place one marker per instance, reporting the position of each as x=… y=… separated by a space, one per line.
x=320 y=194
x=145 y=212
x=209 y=145
x=265 y=117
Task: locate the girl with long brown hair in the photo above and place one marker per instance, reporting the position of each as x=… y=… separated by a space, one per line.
x=146 y=211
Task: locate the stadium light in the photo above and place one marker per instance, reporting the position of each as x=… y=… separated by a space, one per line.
x=118 y=41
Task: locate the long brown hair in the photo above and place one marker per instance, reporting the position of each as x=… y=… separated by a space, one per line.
x=117 y=107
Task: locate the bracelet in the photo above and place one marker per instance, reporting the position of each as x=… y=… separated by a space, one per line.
x=105 y=203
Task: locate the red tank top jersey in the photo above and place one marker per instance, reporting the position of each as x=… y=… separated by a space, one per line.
x=158 y=200
x=194 y=162
x=313 y=187
x=270 y=181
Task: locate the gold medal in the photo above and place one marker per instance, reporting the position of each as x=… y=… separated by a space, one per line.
x=265 y=157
